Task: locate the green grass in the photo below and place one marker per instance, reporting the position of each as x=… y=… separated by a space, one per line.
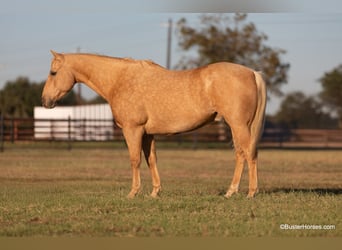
x=83 y=193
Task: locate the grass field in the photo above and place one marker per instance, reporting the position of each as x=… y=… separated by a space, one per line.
x=82 y=192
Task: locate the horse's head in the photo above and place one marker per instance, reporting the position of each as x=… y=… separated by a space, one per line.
x=59 y=82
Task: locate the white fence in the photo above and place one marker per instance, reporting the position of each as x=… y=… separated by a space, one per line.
x=87 y=122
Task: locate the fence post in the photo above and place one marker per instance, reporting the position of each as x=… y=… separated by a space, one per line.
x=84 y=129
x=69 y=133
x=1 y=133
x=12 y=130
x=195 y=140
x=51 y=131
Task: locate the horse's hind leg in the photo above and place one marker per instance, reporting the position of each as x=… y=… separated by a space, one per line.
x=252 y=174
x=151 y=159
x=239 y=164
x=242 y=144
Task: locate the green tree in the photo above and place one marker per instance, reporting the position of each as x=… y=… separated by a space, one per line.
x=300 y=111
x=18 y=97
x=331 y=93
x=222 y=37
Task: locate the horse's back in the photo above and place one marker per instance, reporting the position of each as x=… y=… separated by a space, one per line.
x=228 y=73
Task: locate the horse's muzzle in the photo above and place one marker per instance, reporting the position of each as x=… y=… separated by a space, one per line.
x=48 y=103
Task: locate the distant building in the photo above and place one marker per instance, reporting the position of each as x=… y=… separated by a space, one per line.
x=86 y=122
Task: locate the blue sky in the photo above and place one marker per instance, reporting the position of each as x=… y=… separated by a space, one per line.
x=29 y=29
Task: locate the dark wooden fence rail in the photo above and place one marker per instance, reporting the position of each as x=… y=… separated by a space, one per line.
x=28 y=129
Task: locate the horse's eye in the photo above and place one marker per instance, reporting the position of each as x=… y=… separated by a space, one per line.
x=53 y=73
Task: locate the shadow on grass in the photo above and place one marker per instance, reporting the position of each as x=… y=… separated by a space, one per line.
x=319 y=191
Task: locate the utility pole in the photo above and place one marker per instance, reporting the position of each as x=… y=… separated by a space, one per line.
x=79 y=87
x=169 y=40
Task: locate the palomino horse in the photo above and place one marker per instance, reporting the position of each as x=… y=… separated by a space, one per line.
x=147 y=99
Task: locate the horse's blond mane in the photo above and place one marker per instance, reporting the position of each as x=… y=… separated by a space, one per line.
x=125 y=59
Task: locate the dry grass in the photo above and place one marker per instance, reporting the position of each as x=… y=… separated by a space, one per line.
x=83 y=192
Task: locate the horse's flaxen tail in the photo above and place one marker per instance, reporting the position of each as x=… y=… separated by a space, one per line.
x=257 y=125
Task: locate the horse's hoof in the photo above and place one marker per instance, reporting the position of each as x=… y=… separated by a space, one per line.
x=154 y=196
x=251 y=194
x=155 y=192
x=132 y=194
x=227 y=196
x=230 y=192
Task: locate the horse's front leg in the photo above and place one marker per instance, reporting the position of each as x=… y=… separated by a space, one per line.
x=133 y=138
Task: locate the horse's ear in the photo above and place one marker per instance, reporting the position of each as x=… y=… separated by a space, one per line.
x=56 y=55
x=57 y=61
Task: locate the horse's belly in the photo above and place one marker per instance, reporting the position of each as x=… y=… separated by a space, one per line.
x=177 y=124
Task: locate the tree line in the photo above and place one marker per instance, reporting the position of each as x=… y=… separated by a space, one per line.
x=219 y=37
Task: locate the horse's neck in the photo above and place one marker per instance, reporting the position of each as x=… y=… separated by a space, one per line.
x=98 y=73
